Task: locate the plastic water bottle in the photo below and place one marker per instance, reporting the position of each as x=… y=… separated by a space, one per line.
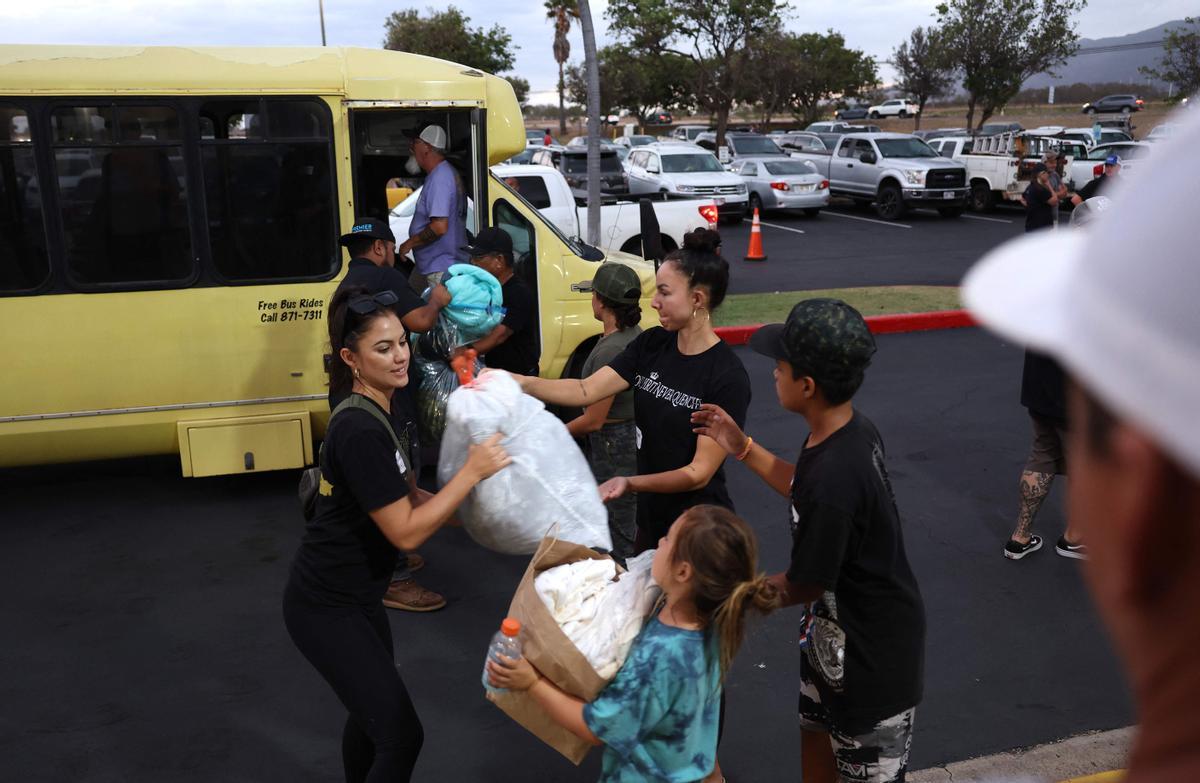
x=505 y=643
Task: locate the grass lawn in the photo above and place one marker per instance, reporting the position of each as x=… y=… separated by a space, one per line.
x=741 y=309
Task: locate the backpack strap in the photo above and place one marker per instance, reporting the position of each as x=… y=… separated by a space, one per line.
x=362 y=403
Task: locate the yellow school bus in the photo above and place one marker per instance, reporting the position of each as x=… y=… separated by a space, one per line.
x=168 y=239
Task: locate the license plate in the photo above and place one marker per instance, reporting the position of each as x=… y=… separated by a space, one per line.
x=719 y=201
x=948 y=194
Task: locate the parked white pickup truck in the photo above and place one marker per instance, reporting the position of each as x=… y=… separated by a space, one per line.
x=547 y=191
x=894 y=171
x=999 y=167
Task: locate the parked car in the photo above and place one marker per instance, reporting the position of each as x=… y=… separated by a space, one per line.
x=851 y=113
x=522 y=158
x=894 y=171
x=547 y=191
x=799 y=142
x=660 y=118
x=1084 y=169
x=827 y=127
x=938 y=133
x=1164 y=131
x=680 y=169
x=1114 y=103
x=783 y=184
x=1107 y=135
x=742 y=145
x=537 y=138
x=572 y=163
x=689 y=132
x=635 y=140
x=897 y=107
x=581 y=142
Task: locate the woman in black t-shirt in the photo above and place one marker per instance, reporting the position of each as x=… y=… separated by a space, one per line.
x=672 y=370
x=367 y=508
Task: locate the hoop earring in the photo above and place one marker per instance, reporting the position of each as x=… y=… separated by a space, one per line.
x=357 y=377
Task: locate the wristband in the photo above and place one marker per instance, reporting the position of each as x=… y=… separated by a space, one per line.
x=746 y=451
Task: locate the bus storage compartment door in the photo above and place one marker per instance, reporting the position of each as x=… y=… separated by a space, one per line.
x=247 y=444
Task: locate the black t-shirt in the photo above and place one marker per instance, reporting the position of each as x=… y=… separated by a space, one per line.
x=344 y=558
x=520 y=353
x=865 y=645
x=1038 y=212
x=1093 y=187
x=1043 y=388
x=668 y=386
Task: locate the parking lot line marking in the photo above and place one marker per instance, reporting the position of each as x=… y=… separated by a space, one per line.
x=866 y=220
x=781 y=228
x=990 y=220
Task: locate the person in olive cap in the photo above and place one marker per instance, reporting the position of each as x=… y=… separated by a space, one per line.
x=608 y=425
x=513 y=345
x=861 y=673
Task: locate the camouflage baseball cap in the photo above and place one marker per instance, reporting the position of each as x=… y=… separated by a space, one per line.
x=826 y=338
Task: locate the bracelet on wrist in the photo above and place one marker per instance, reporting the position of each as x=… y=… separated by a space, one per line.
x=746 y=451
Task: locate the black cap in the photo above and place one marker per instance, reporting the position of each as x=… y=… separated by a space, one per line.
x=826 y=338
x=491 y=240
x=368 y=227
x=1039 y=168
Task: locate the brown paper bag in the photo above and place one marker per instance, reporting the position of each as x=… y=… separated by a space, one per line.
x=545 y=645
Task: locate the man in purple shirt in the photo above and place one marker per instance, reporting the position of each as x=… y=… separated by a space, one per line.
x=438 y=228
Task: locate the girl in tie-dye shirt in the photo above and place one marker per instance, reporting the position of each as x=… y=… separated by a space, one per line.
x=658 y=717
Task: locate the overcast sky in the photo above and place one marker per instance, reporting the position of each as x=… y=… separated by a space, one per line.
x=875 y=26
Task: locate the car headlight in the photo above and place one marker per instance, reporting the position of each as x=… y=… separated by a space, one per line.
x=686 y=189
x=915 y=177
x=741 y=188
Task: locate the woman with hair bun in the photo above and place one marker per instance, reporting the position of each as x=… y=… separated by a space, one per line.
x=672 y=370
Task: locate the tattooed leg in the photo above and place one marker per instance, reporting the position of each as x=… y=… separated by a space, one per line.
x=1034 y=488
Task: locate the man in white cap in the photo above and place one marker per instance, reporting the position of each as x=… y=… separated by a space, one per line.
x=439 y=226
x=1118 y=309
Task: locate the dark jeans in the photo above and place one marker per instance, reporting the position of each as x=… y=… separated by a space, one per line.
x=351 y=647
x=614 y=453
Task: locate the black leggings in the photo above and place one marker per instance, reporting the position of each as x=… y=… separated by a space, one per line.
x=351 y=647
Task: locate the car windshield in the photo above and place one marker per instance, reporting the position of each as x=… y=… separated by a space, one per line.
x=905 y=148
x=756 y=145
x=784 y=167
x=830 y=141
x=577 y=164
x=687 y=164
x=638 y=141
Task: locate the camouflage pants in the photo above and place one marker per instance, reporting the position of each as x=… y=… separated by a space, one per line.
x=614 y=453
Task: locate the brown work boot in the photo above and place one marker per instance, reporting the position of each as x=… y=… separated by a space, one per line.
x=414 y=562
x=406 y=594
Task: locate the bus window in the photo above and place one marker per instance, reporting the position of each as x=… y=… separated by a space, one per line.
x=270 y=202
x=524 y=239
x=23 y=261
x=121 y=195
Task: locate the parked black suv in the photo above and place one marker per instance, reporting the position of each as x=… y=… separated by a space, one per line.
x=572 y=162
x=1114 y=103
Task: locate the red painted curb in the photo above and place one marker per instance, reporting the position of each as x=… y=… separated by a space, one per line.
x=879 y=324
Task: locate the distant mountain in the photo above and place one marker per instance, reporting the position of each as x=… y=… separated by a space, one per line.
x=1112 y=66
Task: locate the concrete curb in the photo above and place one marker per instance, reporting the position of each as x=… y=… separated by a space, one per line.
x=1093 y=755
x=879 y=324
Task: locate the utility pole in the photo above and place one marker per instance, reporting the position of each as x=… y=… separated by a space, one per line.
x=321 y=8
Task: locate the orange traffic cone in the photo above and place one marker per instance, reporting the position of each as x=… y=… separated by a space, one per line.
x=755 y=251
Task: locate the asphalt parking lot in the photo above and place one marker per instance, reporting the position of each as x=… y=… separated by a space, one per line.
x=849 y=245
x=144 y=638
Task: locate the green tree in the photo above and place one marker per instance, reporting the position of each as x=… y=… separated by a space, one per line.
x=448 y=36
x=997 y=44
x=521 y=88
x=637 y=81
x=562 y=12
x=714 y=37
x=1180 y=63
x=822 y=68
x=921 y=67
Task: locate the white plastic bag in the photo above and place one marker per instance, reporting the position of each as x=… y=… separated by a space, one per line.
x=549 y=481
x=600 y=616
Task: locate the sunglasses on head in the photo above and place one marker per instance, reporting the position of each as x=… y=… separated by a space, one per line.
x=367 y=304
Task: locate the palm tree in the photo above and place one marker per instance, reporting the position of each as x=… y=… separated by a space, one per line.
x=562 y=12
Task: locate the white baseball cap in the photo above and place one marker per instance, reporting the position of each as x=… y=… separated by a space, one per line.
x=434 y=136
x=1116 y=303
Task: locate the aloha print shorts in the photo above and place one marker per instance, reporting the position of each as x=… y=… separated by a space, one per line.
x=879 y=755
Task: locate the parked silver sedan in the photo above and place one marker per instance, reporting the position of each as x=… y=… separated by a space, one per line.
x=783 y=183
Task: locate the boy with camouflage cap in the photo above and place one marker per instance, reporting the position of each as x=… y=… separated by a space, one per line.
x=864 y=622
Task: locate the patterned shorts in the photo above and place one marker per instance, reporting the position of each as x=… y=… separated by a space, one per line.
x=879 y=755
